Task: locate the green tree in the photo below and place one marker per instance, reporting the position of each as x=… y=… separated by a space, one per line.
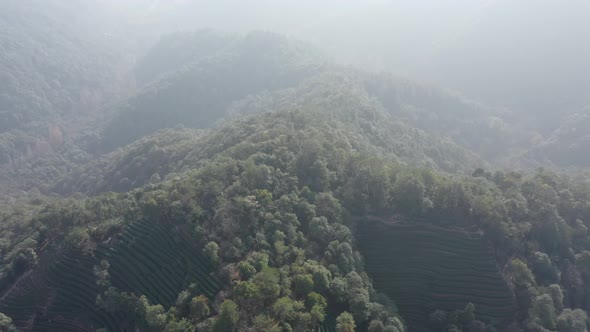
x=228 y=317
x=246 y=270
x=286 y=308
x=376 y=326
x=302 y=284
x=467 y=315
x=199 y=307
x=572 y=321
x=542 y=312
x=247 y=292
x=557 y=295
x=267 y=281
x=264 y=323
x=345 y=323
x=211 y=250
x=521 y=275
x=6 y=324
x=544 y=269
x=339 y=289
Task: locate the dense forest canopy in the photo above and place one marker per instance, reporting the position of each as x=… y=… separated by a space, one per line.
x=162 y=169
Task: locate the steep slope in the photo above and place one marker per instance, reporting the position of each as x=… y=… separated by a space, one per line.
x=58 y=67
x=199 y=92
x=446 y=270
x=333 y=106
x=567 y=146
x=279 y=198
x=486 y=131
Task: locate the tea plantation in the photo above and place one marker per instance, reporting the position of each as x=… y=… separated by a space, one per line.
x=424 y=268
x=147 y=258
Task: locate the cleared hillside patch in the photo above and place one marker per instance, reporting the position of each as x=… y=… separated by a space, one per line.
x=424 y=268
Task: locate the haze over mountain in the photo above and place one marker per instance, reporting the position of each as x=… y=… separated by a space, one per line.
x=294 y=166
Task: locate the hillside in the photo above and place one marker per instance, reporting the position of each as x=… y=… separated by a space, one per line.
x=568 y=145
x=447 y=269
x=251 y=184
x=331 y=106
x=198 y=90
x=58 y=68
x=273 y=206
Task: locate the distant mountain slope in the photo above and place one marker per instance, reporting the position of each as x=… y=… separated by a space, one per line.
x=332 y=106
x=567 y=146
x=481 y=129
x=58 y=66
x=198 y=93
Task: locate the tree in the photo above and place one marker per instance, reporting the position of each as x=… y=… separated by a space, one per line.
x=211 y=250
x=544 y=269
x=199 y=307
x=180 y=325
x=318 y=314
x=521 y=275
x=345 y=323
x=286 y=308
x=315 y=299
x=267 y=281
x=572 y=321
x=316 y=304
x=557 y=295
x=376 y=326
x=409 y=192
x=264 y=323
x=542 y=312
x=6 y=324
x=339 y=289
x=358 y=297
x=467 y=315
x=302 y=284
x=246 y=270
x=228 y=317
x=247 y=292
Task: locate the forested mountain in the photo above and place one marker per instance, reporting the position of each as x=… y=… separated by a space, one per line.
x=202 y=87
x=249 y=183
x=568 y=145
x=331 y=105
x=59 y=64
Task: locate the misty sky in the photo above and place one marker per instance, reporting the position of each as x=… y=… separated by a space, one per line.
x=521 y=54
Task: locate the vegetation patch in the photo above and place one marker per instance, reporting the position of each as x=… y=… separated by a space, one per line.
x=444 y=270
x=147 y=259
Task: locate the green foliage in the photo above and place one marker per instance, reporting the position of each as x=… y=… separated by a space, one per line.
x=265 y=323
x=267 y=281
x=199 y=307
x=280 y=201
x=302 y=284
x=6 y=324
x=211 y=250
x=521 y=274
x=345 y=323
x=228 y=317
x=544 y=269
x=572 y=321
x=542 y=312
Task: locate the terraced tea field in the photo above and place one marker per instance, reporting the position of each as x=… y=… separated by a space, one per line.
x=423 y=268
x=148 y=259
x=158 y=263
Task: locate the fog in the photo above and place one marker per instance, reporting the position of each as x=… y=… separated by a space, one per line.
x=524 y=55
